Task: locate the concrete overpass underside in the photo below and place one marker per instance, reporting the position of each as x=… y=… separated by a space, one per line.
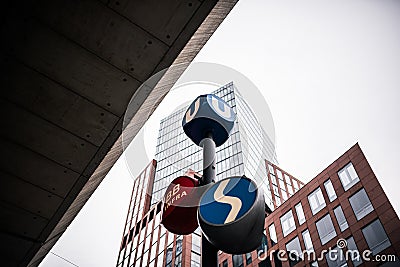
x=69 y=69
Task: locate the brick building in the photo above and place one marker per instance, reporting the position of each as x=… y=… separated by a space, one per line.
x=344 y=202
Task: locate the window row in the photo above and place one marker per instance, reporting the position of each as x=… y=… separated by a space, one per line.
x=359 y=201
x=374 y=234
x=348 y=178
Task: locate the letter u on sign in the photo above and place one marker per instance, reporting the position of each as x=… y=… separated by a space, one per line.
x=189 y=115
x=226 y=113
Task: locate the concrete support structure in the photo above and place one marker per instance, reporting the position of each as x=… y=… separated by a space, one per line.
x=68 y=71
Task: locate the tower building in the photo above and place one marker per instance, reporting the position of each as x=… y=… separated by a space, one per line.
x=242 y=154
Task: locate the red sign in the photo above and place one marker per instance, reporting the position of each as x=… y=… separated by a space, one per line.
x=180 y=206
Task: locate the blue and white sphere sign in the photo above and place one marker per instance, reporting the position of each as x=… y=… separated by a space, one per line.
x=231 y=215
x=228 y=200
x=209 y=114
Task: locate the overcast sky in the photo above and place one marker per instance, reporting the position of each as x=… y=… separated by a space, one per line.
x=330 y=73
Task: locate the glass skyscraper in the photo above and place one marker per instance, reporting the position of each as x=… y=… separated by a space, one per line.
x=244 y=153
x=145 y=240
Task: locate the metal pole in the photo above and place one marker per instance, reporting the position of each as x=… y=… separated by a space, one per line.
x=208 y=160
x=209 y=253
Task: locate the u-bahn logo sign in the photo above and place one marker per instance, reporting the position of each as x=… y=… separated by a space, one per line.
x=209 y=114
x=221 y=107
x=231 y=215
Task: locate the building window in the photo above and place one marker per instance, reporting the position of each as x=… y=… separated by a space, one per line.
x=196 y=240
x=195 y=261
x=287 y=222
x=330 y=190
x=168 y=258
x=355 y=254
x=264 y=245
x=325 y=228
x=178 y=245
x=394 y=262
x=273 y=179
x=265 y=263
x=277 y=201
x=307 y=240
x=287 y=179
x=296 y=185
x=248 y=258
x=279 y=174
x=360 y=204
x=348 y=176
x=277 y=259
x=341 y=219
x=284 y=195
x=282 y=185
x=237 y=260
x=300 y=213
x=336 y=258
x=376 y=237
x=178 y=260
x=272 y=234
x=276 y=191
x=294 y=251
x=271 y=170
x=290 y=189
x=316 y=200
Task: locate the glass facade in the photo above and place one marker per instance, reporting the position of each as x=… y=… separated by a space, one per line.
x=139 y=219
x=244 y=153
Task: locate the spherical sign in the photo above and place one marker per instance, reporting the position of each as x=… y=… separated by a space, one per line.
x=179 y=214
x=231 y=215
x=209 y=114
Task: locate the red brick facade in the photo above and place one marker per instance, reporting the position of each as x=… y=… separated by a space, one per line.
x=382 y=210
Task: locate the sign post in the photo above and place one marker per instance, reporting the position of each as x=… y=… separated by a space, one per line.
x=231 y=211
x=209 y=253
x=208 y=122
